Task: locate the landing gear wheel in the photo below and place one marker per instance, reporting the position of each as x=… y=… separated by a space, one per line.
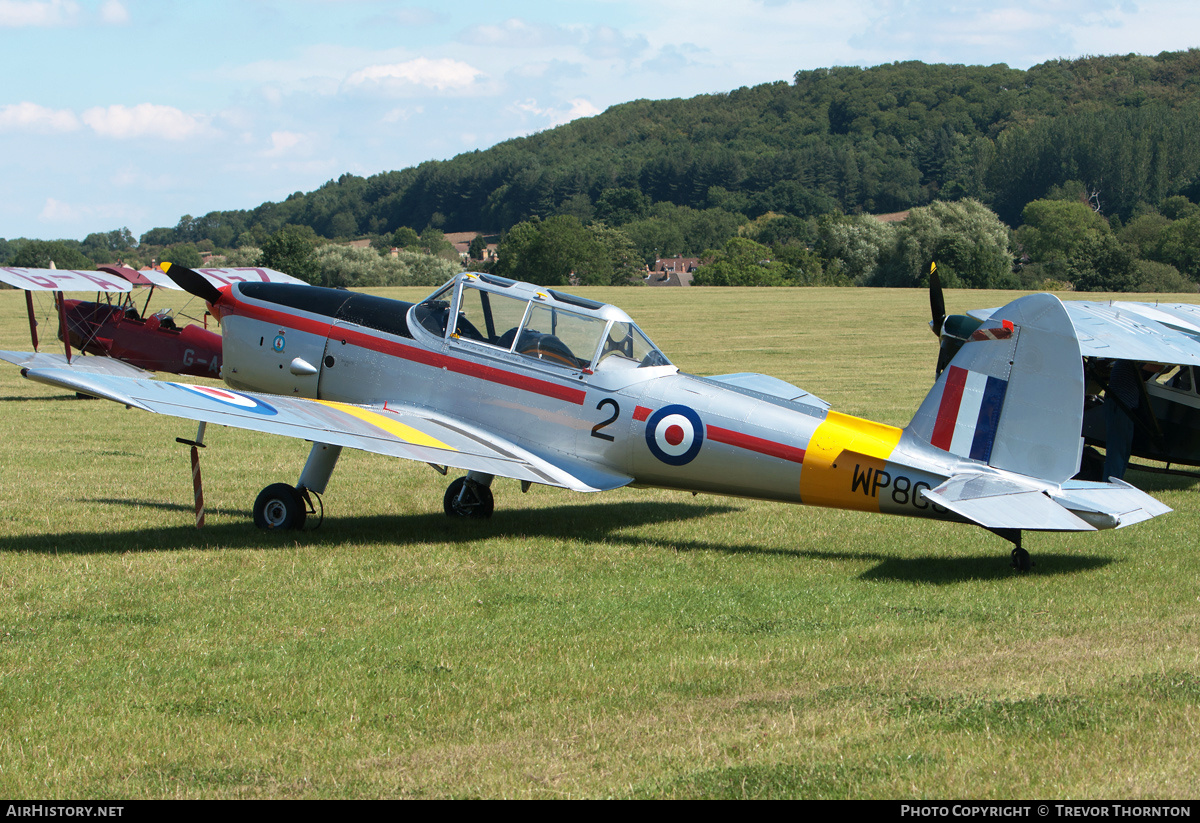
x=466 y=498
x=280 y=506
x=1020 y=560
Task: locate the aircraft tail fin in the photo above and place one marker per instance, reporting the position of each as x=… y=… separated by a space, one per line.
x=1013 y=395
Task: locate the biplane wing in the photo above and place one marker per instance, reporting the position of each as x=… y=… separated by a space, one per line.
x=64 y=280
x=113 y=279
x=223 y=277
x=1144 y=332
x=394 y=430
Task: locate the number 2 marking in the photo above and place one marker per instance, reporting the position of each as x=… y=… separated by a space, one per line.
x=608 y=401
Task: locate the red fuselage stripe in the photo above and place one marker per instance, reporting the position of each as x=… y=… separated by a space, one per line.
x=411 y=352
x=755 y=444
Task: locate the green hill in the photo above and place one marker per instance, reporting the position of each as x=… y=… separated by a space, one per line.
x=856 y=140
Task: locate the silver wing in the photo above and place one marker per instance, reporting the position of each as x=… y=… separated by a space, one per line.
x=396 y=430
x=1145 y=332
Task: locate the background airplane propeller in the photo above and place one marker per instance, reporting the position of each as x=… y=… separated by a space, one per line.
x=192 y=282
x=953 y=330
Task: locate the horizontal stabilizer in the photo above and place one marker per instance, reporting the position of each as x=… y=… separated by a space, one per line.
x=998 y=502
x=1115 y=499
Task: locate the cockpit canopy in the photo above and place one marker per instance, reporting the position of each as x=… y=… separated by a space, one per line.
x=543 y=324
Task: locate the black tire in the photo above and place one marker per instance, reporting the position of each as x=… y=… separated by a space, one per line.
x=280 y=506
x=466 y=498
x=1021 y=561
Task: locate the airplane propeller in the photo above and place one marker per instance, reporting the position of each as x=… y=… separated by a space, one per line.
x=952 y=330
x=937 y=303
x=192 y=282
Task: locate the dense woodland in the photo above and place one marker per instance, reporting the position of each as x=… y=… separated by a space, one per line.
x=1082 y=172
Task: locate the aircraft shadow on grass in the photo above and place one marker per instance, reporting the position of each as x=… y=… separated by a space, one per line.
x=610 y=523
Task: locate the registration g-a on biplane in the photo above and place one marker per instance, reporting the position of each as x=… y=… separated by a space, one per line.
x=506 y=379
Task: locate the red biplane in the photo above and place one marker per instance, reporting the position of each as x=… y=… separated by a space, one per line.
x=117 y=328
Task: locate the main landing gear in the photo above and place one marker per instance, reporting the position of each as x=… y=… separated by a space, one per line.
x=469 y=496
x=280 y=506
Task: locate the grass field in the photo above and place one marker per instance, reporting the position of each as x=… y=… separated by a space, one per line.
x=632 y=644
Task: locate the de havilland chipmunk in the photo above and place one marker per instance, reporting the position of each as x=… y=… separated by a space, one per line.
x=506 y=379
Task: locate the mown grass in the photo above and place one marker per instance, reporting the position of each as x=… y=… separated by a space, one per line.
x=634 y=644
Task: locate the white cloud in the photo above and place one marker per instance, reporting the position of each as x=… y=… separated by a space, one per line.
x=57 y=211
x=131 y=177
x=114 y=13
x=512 y=33
x=283 y=142
x=580 y=108
x=35 y=118
x=607 y=43
x=576 y=108
x=41 y=13
x=142 y=120
x=442 y=74
x=401 y=114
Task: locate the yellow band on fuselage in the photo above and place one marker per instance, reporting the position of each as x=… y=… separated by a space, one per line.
x=841 y=454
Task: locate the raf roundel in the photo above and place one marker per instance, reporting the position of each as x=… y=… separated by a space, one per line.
x=230 y=398
x=674 y=435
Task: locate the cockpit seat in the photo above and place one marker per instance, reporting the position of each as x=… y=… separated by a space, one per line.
x=546 y=347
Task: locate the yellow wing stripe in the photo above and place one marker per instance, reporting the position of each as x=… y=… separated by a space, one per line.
x=841 y=449
x=395 y=428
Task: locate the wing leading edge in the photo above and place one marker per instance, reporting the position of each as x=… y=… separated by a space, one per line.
x=397 y=431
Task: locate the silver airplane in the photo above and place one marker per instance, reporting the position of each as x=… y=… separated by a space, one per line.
x=506 y=379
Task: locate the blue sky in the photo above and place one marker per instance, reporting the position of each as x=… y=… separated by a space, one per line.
x=134 y=112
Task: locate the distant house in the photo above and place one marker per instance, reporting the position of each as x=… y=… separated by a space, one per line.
x=461 y=240
x=673 y=271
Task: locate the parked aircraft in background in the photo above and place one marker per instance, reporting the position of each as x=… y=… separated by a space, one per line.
x=1164 y=335
x=117 y=328
x=506 y=379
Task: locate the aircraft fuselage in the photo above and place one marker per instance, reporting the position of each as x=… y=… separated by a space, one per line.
x=653 y=423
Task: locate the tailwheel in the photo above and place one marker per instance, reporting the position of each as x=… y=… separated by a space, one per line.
x=466 y=498
x=1020 y=560
x=280 y=506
